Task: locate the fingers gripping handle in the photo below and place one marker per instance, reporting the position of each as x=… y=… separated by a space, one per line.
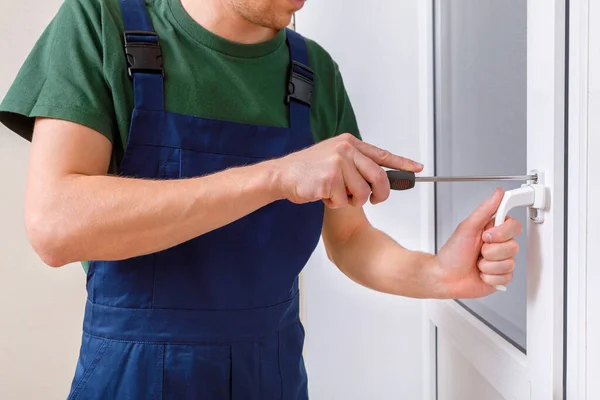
x=529 y=195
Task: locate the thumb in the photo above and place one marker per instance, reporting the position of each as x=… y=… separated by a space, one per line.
x=486 y=210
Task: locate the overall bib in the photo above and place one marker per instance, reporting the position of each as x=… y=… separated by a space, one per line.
x=215 y=317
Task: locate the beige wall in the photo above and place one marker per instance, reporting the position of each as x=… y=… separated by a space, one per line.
x=41 y=309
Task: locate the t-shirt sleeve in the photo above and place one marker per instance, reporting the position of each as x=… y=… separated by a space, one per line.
x=346 y=119
x=63 y=77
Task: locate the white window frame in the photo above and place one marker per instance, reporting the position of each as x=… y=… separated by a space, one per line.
x=543 y=365
x=583 y=318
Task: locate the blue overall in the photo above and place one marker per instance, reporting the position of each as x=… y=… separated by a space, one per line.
x=215 y=317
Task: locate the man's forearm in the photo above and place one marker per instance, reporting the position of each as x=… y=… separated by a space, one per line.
x=110 y=218
x=374 y=260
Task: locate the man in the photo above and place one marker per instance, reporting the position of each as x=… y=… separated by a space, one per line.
x=197 y=170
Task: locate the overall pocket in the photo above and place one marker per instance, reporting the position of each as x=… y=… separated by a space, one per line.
x=92 y=351
x=110 y=369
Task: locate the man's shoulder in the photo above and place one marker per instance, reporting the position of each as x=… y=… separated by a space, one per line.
x=93 y=7
x=93 y=15
x=321 y=60
x=318 y=52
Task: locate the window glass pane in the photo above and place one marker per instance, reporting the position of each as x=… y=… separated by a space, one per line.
x=481 y=128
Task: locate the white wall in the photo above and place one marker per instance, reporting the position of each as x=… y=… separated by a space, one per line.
x=361 y=344
x=40 y=309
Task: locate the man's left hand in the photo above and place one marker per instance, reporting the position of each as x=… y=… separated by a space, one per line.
x=478 y=255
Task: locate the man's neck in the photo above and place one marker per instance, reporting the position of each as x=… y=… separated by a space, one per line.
x=219 y=18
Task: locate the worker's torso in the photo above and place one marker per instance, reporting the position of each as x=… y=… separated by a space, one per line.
x=217 y=316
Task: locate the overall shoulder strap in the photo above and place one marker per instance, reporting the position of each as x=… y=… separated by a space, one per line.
x=301 y=82
x=144 y=57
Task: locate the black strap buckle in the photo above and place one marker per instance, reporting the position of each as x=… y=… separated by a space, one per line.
x=300 y=85
x=143 y=56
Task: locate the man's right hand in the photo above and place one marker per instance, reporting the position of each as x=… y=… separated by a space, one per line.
x=335 y=168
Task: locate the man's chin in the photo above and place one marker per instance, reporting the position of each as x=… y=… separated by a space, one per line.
x=280 y=24
x=297 y=4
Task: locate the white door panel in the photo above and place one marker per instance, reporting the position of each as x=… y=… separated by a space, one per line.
x=501 y=364
x=455 y=369
x=498 y=103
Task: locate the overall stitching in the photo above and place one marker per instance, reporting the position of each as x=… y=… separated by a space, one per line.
x=161 y=369
x=230 y=372
x=227 y=343
x=279 y=359
x=131 y=309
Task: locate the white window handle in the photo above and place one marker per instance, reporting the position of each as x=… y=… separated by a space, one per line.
x=531 y=195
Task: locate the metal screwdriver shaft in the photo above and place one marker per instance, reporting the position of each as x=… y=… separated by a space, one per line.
x=404 y=180
x=475 y=178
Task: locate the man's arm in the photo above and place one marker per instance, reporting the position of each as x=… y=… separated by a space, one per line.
x=374 y=260
x=468 y=265
x=75 y=212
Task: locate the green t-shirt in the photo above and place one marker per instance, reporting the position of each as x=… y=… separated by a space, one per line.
x=77 y=72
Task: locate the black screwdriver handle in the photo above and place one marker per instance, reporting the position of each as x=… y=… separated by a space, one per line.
x=401 y=180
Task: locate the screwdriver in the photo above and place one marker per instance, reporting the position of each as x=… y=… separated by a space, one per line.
x=404 y=180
